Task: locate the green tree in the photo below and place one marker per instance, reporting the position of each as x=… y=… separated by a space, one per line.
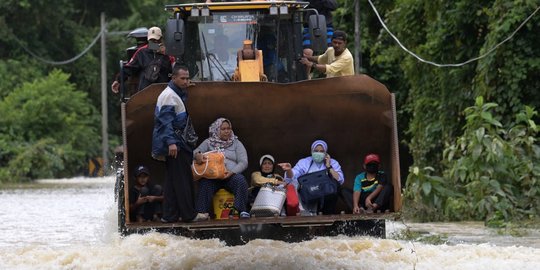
x=48 y=129
x=432 y=100
x=58 y=30
x=492 y=171
x=13 y=72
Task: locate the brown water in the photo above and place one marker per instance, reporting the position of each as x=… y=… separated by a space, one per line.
x=71 y=224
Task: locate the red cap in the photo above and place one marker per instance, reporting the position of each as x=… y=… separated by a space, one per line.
x=372 y=158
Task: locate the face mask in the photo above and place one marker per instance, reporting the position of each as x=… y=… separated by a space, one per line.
x=318 y=157
x=372 y=167
x=153 y=46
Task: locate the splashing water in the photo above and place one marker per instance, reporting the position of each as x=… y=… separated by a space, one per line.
x=71 y=224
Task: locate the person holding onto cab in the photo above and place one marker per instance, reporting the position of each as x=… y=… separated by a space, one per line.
x=336 y=61
x=149 y=63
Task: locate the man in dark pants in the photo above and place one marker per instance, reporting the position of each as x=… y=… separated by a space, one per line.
x=170 y=118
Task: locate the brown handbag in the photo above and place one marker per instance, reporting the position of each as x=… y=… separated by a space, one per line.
x=213 y=168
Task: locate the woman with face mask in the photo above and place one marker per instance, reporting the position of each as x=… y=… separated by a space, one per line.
x=372 y=191
x=318 y=161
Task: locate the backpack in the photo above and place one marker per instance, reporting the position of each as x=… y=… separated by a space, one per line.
x=151 y=72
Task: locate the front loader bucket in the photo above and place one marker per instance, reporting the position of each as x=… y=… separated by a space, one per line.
x=355 y=115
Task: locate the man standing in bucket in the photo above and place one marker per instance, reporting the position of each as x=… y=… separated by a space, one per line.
x=170 y=118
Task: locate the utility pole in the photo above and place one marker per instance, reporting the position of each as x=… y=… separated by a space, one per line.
x=357 y=47
x=104 y=111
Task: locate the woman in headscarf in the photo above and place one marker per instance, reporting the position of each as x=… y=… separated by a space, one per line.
x=265 y=174
x=222 y=138
x=318 y=161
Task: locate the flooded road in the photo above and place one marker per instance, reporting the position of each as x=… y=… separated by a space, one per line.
x=71 y=224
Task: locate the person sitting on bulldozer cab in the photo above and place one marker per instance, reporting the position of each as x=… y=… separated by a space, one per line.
x=149 y=63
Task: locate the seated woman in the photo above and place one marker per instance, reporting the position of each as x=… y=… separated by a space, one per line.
x=372 y=191
x=318 y=161
x=264 y=175
x=222 y=138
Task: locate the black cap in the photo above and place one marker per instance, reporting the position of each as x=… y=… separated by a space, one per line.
x=339 y=35
x=141 y=169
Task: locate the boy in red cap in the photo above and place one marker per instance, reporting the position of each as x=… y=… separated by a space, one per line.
x=372 y=191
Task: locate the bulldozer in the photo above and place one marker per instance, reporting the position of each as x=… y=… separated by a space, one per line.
x=274 y=109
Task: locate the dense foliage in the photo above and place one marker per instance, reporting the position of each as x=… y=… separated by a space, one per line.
x=455 y=182
x=47 y=128
x=33 y=33
x=491 y=171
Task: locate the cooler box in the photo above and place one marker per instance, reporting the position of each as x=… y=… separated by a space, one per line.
x=269 y=202
x=223 y=202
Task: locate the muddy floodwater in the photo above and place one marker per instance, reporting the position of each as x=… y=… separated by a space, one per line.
x=71 y=224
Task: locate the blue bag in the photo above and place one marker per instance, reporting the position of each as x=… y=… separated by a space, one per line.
x=316 y=185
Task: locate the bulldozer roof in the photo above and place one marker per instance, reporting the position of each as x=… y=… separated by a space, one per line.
x=252 y=5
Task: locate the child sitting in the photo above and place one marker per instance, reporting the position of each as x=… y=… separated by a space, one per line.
x=144 y=199
x=372 y=191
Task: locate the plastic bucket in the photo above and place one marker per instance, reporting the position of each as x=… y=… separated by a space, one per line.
x=223 y=204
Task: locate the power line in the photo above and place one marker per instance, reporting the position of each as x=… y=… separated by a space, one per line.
x=374 y=10
x=450 y=65
x=75 y=58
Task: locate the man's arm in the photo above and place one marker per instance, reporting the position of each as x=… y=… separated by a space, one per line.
x=320 y=61
x=312 y=58
x=319 y=67
x=337 y=65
